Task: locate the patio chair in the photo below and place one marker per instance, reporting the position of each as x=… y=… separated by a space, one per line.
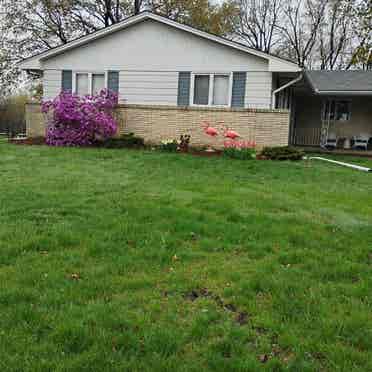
x=361 y=141
x=331 y=141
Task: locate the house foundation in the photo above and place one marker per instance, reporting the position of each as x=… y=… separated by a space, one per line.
x=156 y=123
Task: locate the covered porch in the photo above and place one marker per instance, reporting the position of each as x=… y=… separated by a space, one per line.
x=334 y=113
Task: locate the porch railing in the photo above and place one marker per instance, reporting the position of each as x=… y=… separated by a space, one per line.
x=307 y=136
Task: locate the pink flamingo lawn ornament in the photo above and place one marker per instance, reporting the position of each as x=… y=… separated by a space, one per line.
x=228 y=133
x=210 y=131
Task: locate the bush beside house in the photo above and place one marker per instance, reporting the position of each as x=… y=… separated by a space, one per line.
x=80 y=120
x=282 y=153
x=12 y=115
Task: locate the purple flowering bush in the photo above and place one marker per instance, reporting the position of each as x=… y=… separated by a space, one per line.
x=80 y=121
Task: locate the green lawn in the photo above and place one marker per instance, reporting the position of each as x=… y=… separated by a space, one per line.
x=115 y=260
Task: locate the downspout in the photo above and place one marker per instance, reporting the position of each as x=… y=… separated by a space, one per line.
x=276 y=91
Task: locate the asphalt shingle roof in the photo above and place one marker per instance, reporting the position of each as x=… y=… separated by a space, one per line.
x=342 y=81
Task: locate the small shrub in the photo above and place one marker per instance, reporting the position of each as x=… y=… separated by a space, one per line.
x=242 y=154
x=243 y=150
x=282 y=153
x=124 y=141
x=184 y=142
x=12 y=115
x=169 y=145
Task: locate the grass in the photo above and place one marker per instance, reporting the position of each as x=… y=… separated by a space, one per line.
x=272 y=269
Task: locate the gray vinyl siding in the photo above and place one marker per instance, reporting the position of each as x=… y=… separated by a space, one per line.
x=258 y=89
x=152 y=46
x=148 y=87
x=162 y=87
x=52 y=83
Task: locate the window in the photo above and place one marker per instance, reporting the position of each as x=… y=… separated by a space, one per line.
x=337 y=110
x=221 y=90
x=82 y=84
x=211 y=89
x=89 y=83
x=98 y=83
x=343 y=110
x=201 y=90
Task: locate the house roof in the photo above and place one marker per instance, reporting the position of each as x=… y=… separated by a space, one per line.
x=340 y=82
x=275 y=63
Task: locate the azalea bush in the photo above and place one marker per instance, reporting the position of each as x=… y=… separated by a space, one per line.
x=244 y=150
x=80 y=121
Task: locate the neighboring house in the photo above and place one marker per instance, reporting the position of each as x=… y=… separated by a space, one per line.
x=170 y=77
x=333 y=108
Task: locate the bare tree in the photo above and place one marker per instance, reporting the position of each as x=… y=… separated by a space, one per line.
x=90 y=15
x=360 y=54
x=137 y=6
x=300 y=31
x=335 y=33
x=258 y=23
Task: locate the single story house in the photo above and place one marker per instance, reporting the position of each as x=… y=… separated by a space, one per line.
x=170 y=77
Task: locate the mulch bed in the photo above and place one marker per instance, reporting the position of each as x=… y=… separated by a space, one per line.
x=28 y=141
x=206 y=153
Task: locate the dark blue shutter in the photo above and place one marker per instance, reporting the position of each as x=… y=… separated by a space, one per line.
x=183 y=98
x=238 y=89
x=113 y=81
x=67 y=81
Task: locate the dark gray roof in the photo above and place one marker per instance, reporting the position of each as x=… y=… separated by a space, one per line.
x=340 y=81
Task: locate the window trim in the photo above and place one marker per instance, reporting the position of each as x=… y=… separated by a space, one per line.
x=211 y=88
x=90 y=79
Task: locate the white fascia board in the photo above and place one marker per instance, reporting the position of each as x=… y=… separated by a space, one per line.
x=30 y=64
x=275 y=63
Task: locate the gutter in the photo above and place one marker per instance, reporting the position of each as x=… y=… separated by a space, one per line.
x=276 y=91
x=344 y=92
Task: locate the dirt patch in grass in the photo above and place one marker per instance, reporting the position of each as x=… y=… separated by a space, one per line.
x=207 y=154
x=240 y=317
